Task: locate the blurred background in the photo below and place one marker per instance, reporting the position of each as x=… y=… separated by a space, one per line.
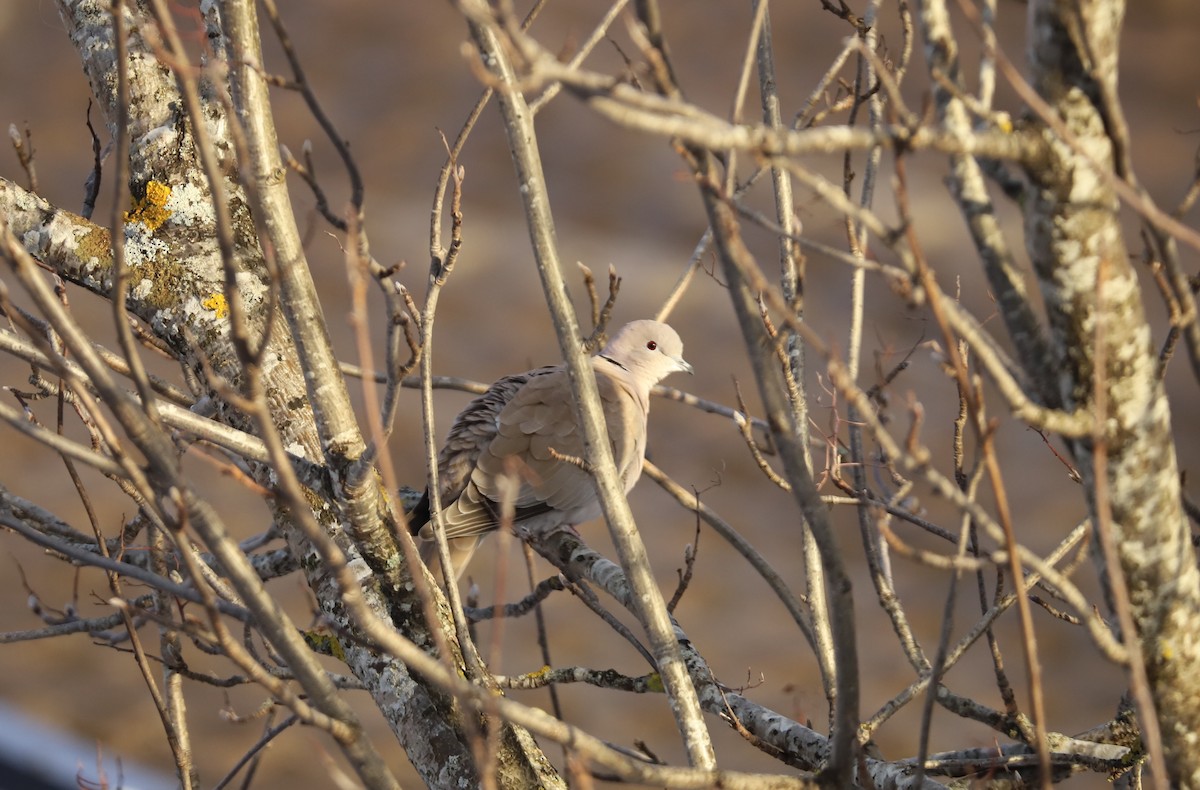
x=392 y=75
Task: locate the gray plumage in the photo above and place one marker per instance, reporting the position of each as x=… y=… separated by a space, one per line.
x=499 y=447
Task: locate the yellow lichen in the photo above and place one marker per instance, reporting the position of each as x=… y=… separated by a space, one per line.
x=151 y=210
x=96 y=246
x=325 y=644
x=217 y=304
x=169 y=281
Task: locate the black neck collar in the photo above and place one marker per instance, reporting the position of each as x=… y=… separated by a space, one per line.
x=613 y=361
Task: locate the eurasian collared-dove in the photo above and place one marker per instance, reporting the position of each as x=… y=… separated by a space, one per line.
x=505 y=437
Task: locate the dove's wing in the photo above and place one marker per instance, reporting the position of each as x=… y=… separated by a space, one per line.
x=518 y=465
x=473 y=428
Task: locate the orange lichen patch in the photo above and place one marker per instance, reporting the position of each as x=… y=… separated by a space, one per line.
x=217 y=304
x=150 y=210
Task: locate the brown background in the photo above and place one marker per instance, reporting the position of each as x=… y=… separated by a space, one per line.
x=392 y=75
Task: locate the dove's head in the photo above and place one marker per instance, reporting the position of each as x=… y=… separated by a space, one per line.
x=650 y=349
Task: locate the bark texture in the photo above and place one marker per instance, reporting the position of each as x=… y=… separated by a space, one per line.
x=1100 y=330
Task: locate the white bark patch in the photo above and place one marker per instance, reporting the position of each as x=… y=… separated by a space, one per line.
x=155 y=134
x=141 y=247
x=361 y=570
x=1120 y=290
x=191 y=308
x=65 y=234
x=142 y=289
x=218 y=127
x=1086 y=183
x=251 y=289
x=190 y=206
x=95 y=44
x=269 y=363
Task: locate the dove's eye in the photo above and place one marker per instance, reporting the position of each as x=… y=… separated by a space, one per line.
x=652 y=345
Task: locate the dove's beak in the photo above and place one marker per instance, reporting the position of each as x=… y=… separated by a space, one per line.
x=682 y=365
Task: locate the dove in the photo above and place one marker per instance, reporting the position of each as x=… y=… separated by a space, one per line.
x=520 y=443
